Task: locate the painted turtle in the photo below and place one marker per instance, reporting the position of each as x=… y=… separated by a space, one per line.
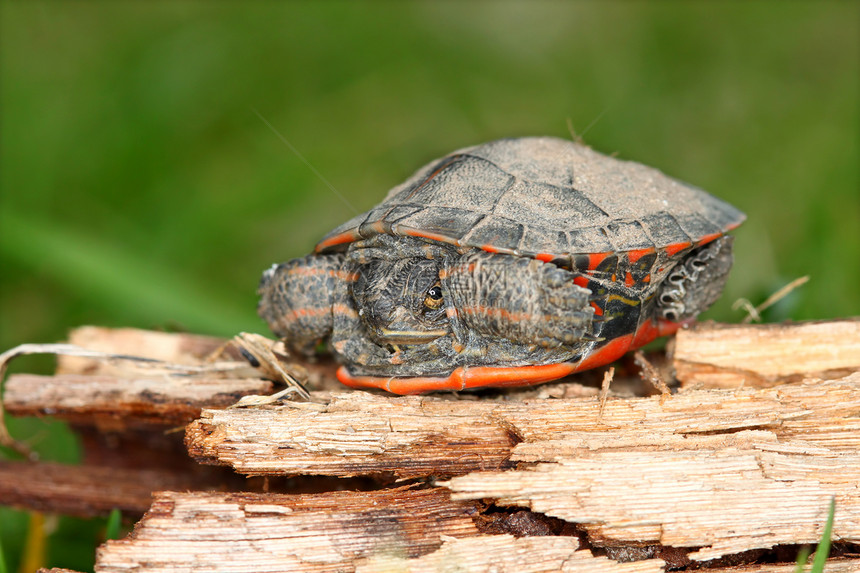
x=510 y=263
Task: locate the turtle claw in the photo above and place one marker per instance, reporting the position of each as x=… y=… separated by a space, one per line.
x=591 y=338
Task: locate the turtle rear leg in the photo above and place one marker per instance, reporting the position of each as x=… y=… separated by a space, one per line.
x=527 y=301
x=299 y=298
x=697 y=281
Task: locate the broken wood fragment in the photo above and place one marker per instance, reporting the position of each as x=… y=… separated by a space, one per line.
x=270 y=532
x=84 y=491
x=357 y=433
x=732 y=355
x=702 y=474
x=505 y=553
x=115 y=402
x=724 y=491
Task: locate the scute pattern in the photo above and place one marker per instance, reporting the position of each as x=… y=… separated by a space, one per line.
x=542 y=197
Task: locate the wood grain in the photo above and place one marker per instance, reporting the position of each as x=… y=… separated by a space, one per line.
x=354 y=433
x=84 y=491
x=268 y=532
x=115 y=403
x=734 y=355
x=505 y=553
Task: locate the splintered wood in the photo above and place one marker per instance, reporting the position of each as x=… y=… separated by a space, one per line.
x=499 y=553
x=733 y=355
x=359 y=433
x=83 y=490
x=120 y=394
x=745 y=457
x=726 y=471
x=270 y=532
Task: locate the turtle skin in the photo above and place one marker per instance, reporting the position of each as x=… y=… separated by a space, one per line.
x=514 y=262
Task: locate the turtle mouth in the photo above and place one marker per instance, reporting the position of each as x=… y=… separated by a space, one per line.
x=408 y=337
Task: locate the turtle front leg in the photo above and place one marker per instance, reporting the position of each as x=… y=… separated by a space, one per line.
x=300 y=299
x=524 y=300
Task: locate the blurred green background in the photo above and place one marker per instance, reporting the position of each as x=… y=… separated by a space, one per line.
x=140 y=188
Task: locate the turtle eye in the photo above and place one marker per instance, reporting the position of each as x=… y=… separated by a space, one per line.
x=433 y=298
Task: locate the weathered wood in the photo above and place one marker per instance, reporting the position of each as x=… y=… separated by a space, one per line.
x=727 y=471
x=117 y=395
x=256 y=532
x=178 y=348
x=358 y=433
x=734 y=355
x=84 y=491
x=502 y=554
x=724 y=503
x=726 y=492
x=709 y=472
x=116 y=402
x=505 y=553
x=833 y=566
x=355 y=433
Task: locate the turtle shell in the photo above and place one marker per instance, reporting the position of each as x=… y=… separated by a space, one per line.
x=545 y=198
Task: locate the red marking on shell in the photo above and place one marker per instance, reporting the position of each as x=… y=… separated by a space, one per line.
x=708 y=238
x=644 y=334
x=462 y=378
x=609 y=352
x=637 y=254
x=545 y=257
x=676 y=248
x=425 y=235
x=580 y=281
x=480 y=376
x=598 y=310
x=339 y=239
x=647 y=278
x=489 y=248
x=594 y=260
x=628 y=280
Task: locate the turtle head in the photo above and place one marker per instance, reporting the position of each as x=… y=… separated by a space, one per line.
x=400 y=301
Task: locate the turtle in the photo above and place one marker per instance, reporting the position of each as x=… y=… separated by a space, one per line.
x=510 y=263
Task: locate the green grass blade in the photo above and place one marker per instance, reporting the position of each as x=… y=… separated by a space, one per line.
x=113 y=523
x=802 y=558
x=823 y=549
x=2 y=558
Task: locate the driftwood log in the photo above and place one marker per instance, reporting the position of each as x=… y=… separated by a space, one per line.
x=738 y=465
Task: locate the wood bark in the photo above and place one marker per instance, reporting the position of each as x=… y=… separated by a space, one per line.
x=119 y=403
x=84 y=491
